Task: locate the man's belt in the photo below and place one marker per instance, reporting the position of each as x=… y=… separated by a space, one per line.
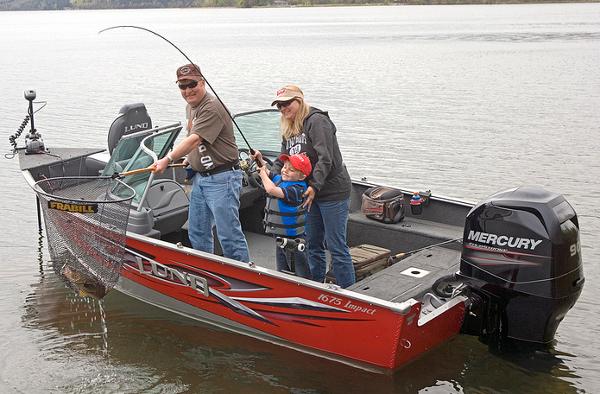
x=222 y=168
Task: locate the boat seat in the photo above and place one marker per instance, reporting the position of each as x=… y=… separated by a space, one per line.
x=169 y=204
x=410 y=234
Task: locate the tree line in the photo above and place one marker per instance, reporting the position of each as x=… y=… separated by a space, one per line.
x=12 y=5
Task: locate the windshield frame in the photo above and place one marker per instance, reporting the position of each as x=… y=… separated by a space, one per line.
x=255 y=134
x=142 y=157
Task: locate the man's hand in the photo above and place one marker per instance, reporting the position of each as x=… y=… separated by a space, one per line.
x=161 y=165
x=309 y=196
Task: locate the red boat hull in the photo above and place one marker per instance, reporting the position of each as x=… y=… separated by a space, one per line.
x=308 y=316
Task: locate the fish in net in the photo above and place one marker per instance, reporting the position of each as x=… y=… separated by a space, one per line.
x=86 y=220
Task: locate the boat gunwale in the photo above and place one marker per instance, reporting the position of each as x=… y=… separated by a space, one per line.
x=403 y=307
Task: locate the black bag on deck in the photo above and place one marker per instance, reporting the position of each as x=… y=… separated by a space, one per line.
x=384 y=204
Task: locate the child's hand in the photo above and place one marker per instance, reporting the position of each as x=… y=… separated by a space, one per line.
x=257 y=157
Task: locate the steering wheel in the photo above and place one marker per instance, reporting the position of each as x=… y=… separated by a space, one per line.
x=250 y=167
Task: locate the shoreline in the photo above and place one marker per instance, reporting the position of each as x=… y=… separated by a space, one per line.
x=44 y=6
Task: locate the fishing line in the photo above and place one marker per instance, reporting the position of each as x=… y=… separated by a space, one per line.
x=191 y=62
x=411 y=252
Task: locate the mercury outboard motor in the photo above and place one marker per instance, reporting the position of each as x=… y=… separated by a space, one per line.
x=131 y=119
x=521 y=258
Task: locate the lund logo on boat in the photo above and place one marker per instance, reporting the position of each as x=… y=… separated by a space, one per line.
x=503 y=240
x=137 y=126
x=161 y=271
x=75 y=208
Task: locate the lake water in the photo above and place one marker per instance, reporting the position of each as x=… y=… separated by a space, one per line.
x=462 y=100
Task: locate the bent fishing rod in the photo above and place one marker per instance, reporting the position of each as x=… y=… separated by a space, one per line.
x=197 y=68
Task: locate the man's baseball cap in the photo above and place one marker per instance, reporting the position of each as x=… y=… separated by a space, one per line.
x=189 y=71
x=300 y=162
x=287 y=93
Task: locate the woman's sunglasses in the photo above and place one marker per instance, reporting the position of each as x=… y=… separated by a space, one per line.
x=284 y=104
x=190 y=85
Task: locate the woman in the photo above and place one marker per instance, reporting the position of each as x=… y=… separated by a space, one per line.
x=305 y=129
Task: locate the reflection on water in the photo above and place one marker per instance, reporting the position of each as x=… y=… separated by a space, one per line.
x=75 y=320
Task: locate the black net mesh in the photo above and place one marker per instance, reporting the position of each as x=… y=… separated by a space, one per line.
x=86 y=220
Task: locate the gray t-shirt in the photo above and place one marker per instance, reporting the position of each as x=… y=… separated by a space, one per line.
x=212 y=123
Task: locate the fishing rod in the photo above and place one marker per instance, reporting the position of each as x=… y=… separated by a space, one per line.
x=197 y=68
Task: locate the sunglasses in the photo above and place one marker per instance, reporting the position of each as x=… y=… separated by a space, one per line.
x=285 y=104
x=190 y=85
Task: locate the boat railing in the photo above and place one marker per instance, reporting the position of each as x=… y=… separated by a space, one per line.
x=139 y=150
x=144 y=146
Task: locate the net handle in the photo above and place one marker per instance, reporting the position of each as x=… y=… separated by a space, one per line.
x=144 y=170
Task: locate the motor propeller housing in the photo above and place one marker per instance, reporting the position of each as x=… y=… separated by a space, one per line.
x=522 y=260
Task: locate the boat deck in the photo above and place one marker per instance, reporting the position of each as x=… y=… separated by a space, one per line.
x=262 y=249
x=59 y=157
x=411 y=277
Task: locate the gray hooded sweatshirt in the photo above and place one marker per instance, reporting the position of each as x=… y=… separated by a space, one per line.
x=318 y=141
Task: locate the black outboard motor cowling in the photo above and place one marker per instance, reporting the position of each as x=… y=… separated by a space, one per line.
x=131 y=119
x=522 y=259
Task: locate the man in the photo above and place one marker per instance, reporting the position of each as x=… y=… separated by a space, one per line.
x=213 y=154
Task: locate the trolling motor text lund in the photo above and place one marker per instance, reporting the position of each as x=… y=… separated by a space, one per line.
x=506 y=269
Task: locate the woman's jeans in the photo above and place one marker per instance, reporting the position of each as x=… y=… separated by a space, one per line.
x=326 y=225
x=215 y=201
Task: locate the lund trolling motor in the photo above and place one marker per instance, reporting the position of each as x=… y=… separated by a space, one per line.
x=33 y=141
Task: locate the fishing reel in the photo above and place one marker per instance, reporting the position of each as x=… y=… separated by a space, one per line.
x=33 y=141
x=297 y=244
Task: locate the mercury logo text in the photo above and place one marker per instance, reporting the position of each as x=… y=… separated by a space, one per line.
x=503 y=240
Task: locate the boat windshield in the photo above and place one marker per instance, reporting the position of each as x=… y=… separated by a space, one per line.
x=128 y=155
x=261 y=129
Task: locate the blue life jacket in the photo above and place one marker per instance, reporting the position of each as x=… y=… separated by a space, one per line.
x=282 y=218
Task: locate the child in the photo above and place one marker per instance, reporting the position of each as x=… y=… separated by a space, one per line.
x=284 y=215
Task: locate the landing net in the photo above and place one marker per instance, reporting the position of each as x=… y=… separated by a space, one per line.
x=86 y=220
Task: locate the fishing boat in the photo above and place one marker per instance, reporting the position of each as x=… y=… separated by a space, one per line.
x=506 y=269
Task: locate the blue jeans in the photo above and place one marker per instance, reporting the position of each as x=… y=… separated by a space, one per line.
x=215 y=201
x=326 y=225
x=300 y=262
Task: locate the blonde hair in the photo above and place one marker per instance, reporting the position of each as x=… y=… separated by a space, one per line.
x=291 y=128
